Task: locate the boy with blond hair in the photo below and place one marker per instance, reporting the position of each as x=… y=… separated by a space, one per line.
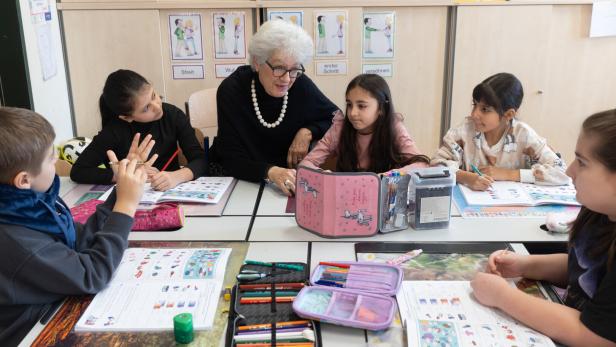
x=44 y=255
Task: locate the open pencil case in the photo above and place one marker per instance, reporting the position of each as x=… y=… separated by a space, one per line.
x=281 y=284
x=353 y=294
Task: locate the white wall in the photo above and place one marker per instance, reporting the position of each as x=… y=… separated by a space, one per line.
x=50 y=97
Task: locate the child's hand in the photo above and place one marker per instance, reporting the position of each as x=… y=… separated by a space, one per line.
x=489 y=289
x=480 y=183
x=506 y=264
x=147 y=166
x=141 y=151
x=500 y=174
x=129 y=188
x=164 y=180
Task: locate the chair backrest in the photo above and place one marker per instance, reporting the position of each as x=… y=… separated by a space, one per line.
x=201 y=108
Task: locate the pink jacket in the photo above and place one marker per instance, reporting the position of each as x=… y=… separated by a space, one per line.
x=328 y=145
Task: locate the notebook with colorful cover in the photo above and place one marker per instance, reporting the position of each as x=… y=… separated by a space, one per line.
x=335 y=204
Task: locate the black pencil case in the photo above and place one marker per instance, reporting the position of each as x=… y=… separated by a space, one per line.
x=267 y=313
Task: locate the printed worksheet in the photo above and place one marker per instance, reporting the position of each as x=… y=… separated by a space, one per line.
x=152 y=285
x=505 y=193
x=445 y=313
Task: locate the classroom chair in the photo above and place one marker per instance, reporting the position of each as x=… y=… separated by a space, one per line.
x=203 y=115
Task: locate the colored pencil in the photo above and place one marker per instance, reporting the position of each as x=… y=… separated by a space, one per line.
x=278 y=286
x=170 y=159
x=344 y=266
x=268 y=294
x=278 y=325
x=248 y=301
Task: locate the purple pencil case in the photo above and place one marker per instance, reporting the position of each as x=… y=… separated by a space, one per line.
x=356 y=294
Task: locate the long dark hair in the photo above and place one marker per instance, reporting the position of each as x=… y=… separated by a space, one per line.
x=384 y=155
x=502 y=91
x=603 y=125
x=119 y=93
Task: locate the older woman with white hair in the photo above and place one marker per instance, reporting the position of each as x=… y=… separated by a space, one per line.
x=269 y=112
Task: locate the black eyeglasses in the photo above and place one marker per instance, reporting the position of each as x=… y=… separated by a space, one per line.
x=280 y=71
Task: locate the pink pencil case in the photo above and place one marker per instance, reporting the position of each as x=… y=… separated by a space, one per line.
x=160 y=217
x=360 y=298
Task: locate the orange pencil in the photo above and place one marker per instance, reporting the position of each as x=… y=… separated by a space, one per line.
x=170 y=159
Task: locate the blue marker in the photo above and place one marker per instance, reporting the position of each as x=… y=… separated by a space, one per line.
x=476 y=170
x=329 y=283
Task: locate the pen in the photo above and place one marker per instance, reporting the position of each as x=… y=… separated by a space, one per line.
x=476 y=170
x=117 y=163
x=278 y=265
x=170 y=159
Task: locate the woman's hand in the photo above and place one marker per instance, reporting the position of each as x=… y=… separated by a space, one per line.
x=489 y=289
x=299 y=147
x=500 y=174
x=283 y=178
x=507 y=264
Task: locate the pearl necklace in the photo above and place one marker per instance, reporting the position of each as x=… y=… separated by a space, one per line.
x=258 y=112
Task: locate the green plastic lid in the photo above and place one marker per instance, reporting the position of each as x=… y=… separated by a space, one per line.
x=183 y=328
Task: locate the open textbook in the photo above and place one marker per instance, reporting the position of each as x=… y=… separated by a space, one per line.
x=445 y=313
x=152 y=285
x=506 y=193
x=205 y=190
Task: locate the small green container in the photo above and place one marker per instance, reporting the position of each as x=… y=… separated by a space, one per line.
x=183 y=328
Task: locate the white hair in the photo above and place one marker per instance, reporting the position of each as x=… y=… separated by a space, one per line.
x=280 y=36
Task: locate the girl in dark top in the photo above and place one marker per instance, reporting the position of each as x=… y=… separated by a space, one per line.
x=269 y=112
x=131 y=110
x=588 y=271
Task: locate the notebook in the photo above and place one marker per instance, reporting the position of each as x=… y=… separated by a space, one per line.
x=346 y=204
x=505 y=193
x=152 y=285
x=446 y=313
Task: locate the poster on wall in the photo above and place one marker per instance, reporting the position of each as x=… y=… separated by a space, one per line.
x=330 y=32
x=378 y=34
x=229 y=35
x=295 y=17
x=185 y=37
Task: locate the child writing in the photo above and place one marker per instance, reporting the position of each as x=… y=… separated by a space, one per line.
x=495 y=145
x=130 y=109
x=44 y=255
x=588 y=271
x=371 y=137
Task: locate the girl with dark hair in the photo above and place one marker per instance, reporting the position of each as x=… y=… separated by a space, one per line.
x=588 y=271
x=494 y=141
x=371 y=137
x=131 y=110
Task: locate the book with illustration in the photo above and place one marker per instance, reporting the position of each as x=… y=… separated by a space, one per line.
x=506 y=193
x=440 y=313
x=205 y=190
x=152 y=285
x=347 y=204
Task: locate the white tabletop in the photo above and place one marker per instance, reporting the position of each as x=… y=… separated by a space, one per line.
x=273 y=202
x=278 y=251
x=242 y=200
x=66 y=185
x=231 y=228
x=460 y=229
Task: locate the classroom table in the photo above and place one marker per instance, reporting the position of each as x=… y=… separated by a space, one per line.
x=256 y=213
